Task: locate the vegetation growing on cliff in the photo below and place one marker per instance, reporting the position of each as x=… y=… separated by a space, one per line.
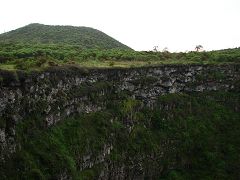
x=185 y=136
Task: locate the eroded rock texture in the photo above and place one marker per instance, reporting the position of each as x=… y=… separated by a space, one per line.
x=59 y=92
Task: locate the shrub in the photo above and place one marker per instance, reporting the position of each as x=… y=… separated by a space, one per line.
x=111 y=63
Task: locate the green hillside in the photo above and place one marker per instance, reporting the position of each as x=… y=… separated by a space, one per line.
x=37 y=46
x=84 y=37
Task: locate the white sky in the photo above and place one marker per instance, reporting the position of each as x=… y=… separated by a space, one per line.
x=179 y=25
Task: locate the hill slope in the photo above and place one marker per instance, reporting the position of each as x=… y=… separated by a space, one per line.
x=84 y=37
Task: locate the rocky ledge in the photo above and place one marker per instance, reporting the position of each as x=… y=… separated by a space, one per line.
x=61 y=91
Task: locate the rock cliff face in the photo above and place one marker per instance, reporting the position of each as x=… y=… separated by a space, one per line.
x=60 y=92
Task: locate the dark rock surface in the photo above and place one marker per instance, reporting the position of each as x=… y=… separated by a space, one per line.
x=59 y=92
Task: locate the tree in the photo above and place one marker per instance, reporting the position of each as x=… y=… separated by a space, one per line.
x=165 y=49
x=155 y=48
x=198 y=48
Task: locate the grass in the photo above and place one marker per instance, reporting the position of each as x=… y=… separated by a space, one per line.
x=110 y=64
x=39 y=56
x=9 y=67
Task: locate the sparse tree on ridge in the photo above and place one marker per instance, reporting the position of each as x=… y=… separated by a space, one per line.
x=198 y=48
x=155 y=48
x=165 y=49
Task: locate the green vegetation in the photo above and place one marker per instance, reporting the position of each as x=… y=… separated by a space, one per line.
x=185 y=136
x=83 y=37
x=36 y=46
x=37 y=57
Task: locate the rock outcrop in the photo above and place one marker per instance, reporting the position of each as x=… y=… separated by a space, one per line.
x=59 y=92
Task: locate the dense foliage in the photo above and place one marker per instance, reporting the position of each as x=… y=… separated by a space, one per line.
x=38 y=46
x=185 y=136
x=84 y=37
x=19 y=56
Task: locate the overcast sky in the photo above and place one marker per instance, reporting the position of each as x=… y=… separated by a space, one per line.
x=179 y=25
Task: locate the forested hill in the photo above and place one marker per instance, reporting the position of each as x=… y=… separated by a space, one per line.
x=84 y=37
